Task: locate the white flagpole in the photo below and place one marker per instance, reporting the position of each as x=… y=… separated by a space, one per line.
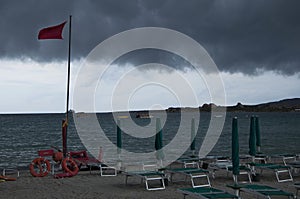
x=65 y=122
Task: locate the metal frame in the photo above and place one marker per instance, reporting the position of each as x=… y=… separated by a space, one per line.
x=202 y=195
x=278 y=171
x=107 y=168
x=193 y=173
x=145 y=176
x=11 y=170
x=242 y=172
x=261 y=192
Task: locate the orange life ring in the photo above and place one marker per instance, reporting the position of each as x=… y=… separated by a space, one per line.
x=40 y=167
x=70 y=166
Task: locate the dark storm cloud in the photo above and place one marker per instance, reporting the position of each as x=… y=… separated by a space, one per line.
x=243 y=36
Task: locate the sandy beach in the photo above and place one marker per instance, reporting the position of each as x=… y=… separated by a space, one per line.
x=92 y=185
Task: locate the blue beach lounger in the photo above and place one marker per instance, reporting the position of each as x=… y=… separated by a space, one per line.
x=147 y=177
x=193 y=162
x=193 y=173
x=295 y=165
x=297 y=186
x=206 y=193
x=244 y=170
x=227 y=164
x=266 y=191
x=277 y=168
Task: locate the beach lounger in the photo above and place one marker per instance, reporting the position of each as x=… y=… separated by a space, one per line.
x=297 y=186
x=150 y=173
x=206 y=193
x=108 y=169
x=295 y=165
x=282 y=172
x=261 y=158
x=219 y=164
x=149 y=177
x=11 y=171
x=193 y=173
x=244 y=170
x=266 y=191
x=187 y=162
x=285 y=158
x=227 y=165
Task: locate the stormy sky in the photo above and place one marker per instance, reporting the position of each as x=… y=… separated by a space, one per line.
x=248 y=40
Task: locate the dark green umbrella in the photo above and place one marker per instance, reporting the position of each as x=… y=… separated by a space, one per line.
x=235 y=149
x=158 y=141
x=252 y=138
x=257 y=130
x=193 y=133
x=119 y=138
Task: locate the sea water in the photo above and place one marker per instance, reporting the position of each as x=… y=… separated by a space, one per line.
x=22 y=135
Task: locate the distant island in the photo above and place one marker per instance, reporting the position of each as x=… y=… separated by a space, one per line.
x=286 y=105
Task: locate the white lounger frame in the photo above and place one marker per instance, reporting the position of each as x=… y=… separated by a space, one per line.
x=150 y=167
x=192 y=176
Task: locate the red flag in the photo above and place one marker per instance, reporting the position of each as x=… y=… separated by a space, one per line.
x=53 y=32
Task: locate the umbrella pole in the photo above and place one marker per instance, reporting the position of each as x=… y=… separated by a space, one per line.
x=119 y=140
x=159 y=143
x=119 y=163
x=237 y=191
x=193 y=137
x=258 y=149
x=253 y=172
x=235 y=179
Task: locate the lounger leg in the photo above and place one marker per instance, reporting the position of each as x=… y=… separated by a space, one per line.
x=237 y=193
x=16 y=171
x=155 y=178
x=277 y=173
x=108 y=168
x=249 y=177
x=244 y=173
x=213 y=174
x=199 y=176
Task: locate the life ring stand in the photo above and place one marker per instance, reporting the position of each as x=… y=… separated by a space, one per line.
x=43 y=166
x=57 y=156
x=6 y=178
x=69 y=166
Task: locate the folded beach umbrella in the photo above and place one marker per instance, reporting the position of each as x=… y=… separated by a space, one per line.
x=257 y=130
x=235 y=149
x=158 y=141
x=193 y=133
x=119 y=138
x=252 y=138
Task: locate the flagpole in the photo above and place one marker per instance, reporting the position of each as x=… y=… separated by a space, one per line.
x=69 y=68
x=65 y=122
